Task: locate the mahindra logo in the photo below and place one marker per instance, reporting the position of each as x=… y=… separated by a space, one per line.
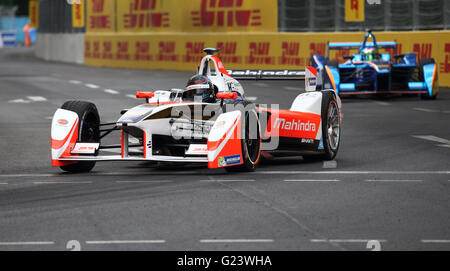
x=294 y=125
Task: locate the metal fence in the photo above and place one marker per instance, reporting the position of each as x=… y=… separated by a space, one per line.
x=329 y=15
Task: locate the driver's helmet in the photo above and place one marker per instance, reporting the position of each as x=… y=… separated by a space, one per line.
x=199 y=89
x=369 y=53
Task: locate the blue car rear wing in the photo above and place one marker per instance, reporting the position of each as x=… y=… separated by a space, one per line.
x=358 y=45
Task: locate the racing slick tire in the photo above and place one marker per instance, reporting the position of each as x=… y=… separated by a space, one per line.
x=423 y=62
x=88 y=131
x=251 y=140
x=331 y=128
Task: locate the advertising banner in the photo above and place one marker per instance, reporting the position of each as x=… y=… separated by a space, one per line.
x=100 y=16
x=78 y=13
x=33 y=9
x=183 y=51
x=354 y=10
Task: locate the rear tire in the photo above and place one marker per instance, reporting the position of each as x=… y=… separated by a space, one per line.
x=423 y=62
x=331 y=128
x=88 y=131
x=250 y=141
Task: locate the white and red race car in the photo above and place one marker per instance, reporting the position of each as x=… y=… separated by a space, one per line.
x=209 y=122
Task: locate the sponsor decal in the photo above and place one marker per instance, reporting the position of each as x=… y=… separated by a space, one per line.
x=307 y=140
x=295 y=125
x=199 y=149
x=229 y=160
x=62 y=122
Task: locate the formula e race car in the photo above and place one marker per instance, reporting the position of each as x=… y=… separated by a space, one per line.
x=372 y=72
x=209 y=122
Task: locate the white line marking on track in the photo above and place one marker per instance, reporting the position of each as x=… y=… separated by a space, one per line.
x=76 y=82
x=256 y=172
x=125 y=242
x=3 y=183
x=37 y=98
x=293 y=88
x=251 y=98
x=81 y=182
x=311 y=180
x=425 y=109
x=345 y=240
x=442 y=241
x=382 y=103
x=38 y=243
x=214 y=180
x=19 y=101
x=152 y=181
x=393 y=181
x=131 y=96
x=329 y=164
x=111 y=91
x=236 y=240
x=445 y=142
x=260 y=84
x=91 y=86
x=349 y=172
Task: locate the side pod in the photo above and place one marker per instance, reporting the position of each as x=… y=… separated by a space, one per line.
x=224 y=141
x=64 y=135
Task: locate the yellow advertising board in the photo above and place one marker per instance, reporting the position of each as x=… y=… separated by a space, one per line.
x=183 y=16
x=78 y=13
x=183 y=51
x=354 y=10
x=34 y=13
x=100 y=16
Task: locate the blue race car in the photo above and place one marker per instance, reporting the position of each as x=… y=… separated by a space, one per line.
x=371 y=72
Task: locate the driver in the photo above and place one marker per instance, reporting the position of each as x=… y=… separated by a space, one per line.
x=200 y=89
x=369 y=54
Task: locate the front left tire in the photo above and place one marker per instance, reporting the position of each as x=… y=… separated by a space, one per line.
x=88 y=131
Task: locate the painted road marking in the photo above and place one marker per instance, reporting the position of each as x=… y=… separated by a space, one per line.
x=37 y=98
x=311 y=180
x=251 y=173
x=243 y=180
x=329 y=164
x=345 y=240
x=348 y=172
x=111 y=91
x=260 y=84
x=91 y=86
x=236 y=240
x=131 y=96
x=125 y=242
x=431 y=110
x=293 y=88
x=81 y=182
x=19 y=101
x=152 y=181
x=445 y=142
x=3 y=183
x=436 y=241
x=392 y=181
x=382 y=103
x=76 y=82
x=251 y=98
x=38 y=243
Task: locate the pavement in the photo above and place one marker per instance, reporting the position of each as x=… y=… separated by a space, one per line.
x=389 y=184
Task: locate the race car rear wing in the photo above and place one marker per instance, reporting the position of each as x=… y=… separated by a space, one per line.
x=357 y=45
x=267 y=74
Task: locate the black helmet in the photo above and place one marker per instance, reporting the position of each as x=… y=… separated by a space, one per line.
x=199 y=86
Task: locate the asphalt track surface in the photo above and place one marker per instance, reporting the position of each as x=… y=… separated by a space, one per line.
x=390 y=181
